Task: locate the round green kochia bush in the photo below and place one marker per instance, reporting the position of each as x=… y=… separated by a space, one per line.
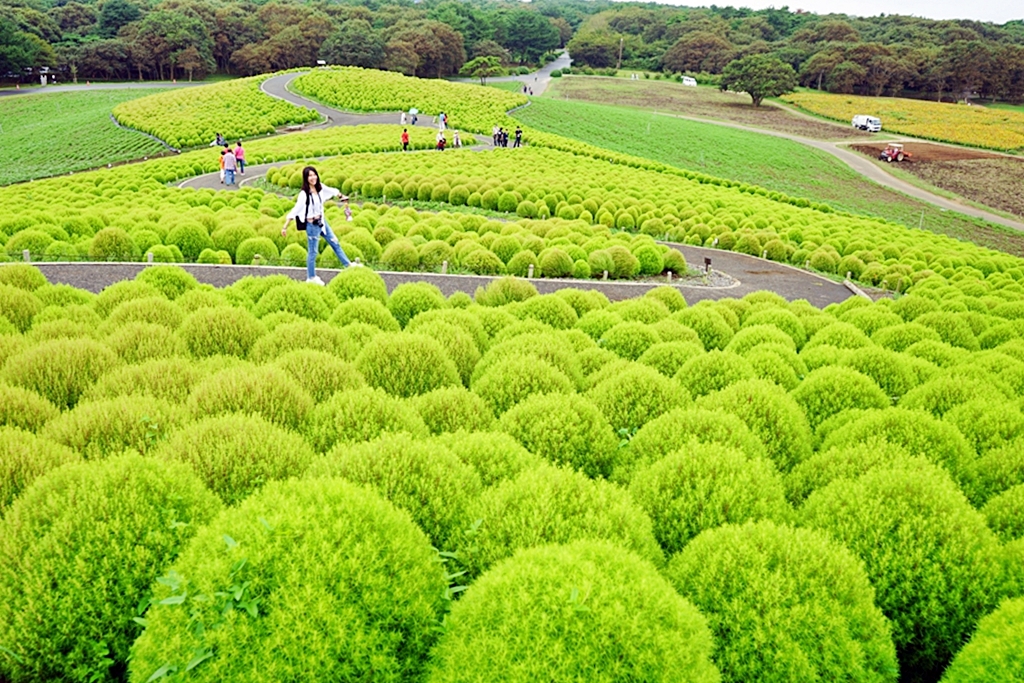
x=172 y=281
x=495 y=456
x=307 y=578
x=155 y=310
x=633 y=397
x=830 y=390
x=60 y=370
x=994 y=472
x=464 y=320
x=191 y=238
x=682 y=427
x=629 y=340
x=554 y=349
x=987 y=424
x=24 y=409
x=137 y=342
x=549 y=309
x=752 y=336
x=405 y=365
x=888 y=369
x=503 y=291
x=264 y=390
x=235 y=455
x=548 y=504
x=915 y=431
x=112 y=244
x=841 y=462
x=792 y=592
x=781 y=319
x=928 y=554
x=359 y=415
x=98 y=429
x=355 y=282
x=79 y=550
x=22 y=276
x=450 y=409
x=839 y=335
x=512 y=378
x=708 y=323
x=457 y=343
x=363 y=309
x=421 y=477
x=528 y=618
x=119 y=292
x=298 y=333
x=19 y=306
x=945 y=392
x=713 y=371
x=249 y=249
x=564 y=429
x=412 y=298
x=24 y=457
x=305 y=301
x=703 y=486
x=771 y=414
x=223 y=330
x=668 y=357
x=1005 y=513
x=320 y=373
x=994 y=652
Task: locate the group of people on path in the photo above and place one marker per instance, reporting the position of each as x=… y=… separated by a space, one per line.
x=231 y=160
x=499 y=137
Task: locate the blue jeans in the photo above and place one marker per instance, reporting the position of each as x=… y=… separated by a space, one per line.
x=313 y=232
x=229 y=176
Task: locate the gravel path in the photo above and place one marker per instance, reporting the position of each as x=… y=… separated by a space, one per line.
x=735 y=275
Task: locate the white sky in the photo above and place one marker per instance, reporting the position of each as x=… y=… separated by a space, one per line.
x=996 y=11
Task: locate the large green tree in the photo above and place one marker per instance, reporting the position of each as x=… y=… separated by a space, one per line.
x=760 y=76
x=354 y=44
x=482 y=68
x=529 y=34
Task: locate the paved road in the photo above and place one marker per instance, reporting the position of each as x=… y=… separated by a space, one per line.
x=790 y=283
x=868 y=169
x=538 y=80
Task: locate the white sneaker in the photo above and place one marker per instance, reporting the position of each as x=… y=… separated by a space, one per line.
x=315 y=280
x=355 y=264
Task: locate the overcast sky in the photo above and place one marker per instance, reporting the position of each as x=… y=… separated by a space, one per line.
x=996 y=11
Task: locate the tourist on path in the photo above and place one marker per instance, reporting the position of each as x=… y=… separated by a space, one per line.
x=309 y=209
x=230 y=166
x=403 y=118
x=456 y=140
x=405 y=139
x=240 y=157
x=519 y=137
x=222 y=153
x=441 y=142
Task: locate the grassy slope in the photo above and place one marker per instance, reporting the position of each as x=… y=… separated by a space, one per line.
x=763 y=160
x=48 y=134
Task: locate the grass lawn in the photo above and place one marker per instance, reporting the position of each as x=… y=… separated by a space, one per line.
x=770 y=162
x=49 y=134
x=511 y=86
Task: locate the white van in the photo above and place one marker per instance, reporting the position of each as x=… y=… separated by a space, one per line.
x=692 y=82
x=869 y=123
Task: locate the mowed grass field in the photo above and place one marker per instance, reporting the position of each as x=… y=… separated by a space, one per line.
x=49 y=134
x=774 y=163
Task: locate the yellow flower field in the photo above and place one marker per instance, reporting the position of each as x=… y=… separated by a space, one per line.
x=958 y=123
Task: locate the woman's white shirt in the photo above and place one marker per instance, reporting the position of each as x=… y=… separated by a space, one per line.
x=316 y=202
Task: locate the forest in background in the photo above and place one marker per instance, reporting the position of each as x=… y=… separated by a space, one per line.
x=883 y=55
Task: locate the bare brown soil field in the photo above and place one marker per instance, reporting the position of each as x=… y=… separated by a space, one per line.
x=990 y=179
x=674 y=98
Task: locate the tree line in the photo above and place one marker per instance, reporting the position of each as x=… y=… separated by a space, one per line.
x=884 y=55
x=125 y=39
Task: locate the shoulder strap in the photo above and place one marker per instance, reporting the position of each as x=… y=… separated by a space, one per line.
x=306 y=215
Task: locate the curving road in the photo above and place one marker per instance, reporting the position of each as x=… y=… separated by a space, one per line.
x=865 y=167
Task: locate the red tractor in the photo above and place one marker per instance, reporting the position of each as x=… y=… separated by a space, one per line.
x=894 y=152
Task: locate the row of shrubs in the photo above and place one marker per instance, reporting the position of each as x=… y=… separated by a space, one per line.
x=571 y=458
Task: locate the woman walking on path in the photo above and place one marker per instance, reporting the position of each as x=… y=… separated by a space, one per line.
x=309 y=210
x=240 y=157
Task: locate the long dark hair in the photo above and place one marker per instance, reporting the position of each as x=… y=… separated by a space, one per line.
x=305 y=180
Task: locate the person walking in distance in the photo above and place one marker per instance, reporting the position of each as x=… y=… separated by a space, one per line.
x=240 y=158
x=230 y=165
x=456 y=140
x=309 y=212
x=405 y=139
x=494 y=135
x=519 y=137
x=403 y=118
